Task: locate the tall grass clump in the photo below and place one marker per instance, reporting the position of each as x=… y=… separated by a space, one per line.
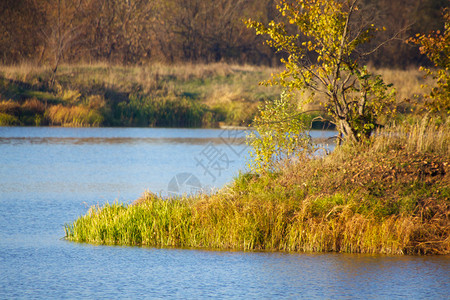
x=390 y=196
x=74 y=116
x=153 y=222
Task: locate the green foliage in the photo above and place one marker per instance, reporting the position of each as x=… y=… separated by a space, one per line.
x=8 y=120
x=166 y=112
x=153 y=222
x=322 y=206
x=436 y=46
x=323 y=53
x=280 y=135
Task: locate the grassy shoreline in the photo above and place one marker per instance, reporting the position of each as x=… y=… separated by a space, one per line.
x=155 y=95
x=389 y=197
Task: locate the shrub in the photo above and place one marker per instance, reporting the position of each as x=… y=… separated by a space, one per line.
x=280 y=135
x=436 y=47
x=8 y=120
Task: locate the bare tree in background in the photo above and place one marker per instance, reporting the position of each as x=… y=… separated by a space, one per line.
x=66 y=21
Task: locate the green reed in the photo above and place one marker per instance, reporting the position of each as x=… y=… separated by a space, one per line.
x=217 y=223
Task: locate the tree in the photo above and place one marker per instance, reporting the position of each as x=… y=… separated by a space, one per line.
x=205 y=30
x=279 y=135
x=323 y=40
x=66 y=21
x=436 y=46
x=122 y=31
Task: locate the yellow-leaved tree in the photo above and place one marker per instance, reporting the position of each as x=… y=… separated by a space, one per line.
x=436 y=46
x=323 y=55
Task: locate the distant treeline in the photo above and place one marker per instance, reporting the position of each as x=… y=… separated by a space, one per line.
x=139 y=31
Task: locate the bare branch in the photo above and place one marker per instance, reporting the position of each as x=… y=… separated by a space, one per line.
x=394 y=37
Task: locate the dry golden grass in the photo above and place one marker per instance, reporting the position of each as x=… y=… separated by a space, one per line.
x=420 y=137
x=229 y=94
x=73 y=116
x=22 y=72
x=406 y=82
x=9 y=107
x=33 y=106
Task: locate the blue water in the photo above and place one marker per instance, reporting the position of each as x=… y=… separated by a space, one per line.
x=50 y=176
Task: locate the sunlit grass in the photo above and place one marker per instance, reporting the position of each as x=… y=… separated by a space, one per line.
x=207 y=94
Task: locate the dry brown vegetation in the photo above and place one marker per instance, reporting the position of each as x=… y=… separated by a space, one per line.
x=134 y=31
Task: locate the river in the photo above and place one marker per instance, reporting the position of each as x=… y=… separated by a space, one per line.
x=50 y=176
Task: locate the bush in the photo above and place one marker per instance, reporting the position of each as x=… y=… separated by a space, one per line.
x=280 y=135
x=8 y=120
x=436 y=47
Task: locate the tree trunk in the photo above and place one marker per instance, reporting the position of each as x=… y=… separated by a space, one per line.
x=345 y=130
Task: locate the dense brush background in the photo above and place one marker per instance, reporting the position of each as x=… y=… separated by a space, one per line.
x=137 y=31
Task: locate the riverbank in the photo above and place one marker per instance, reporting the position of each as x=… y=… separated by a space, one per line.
x=389 y=197
x=156 y=95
